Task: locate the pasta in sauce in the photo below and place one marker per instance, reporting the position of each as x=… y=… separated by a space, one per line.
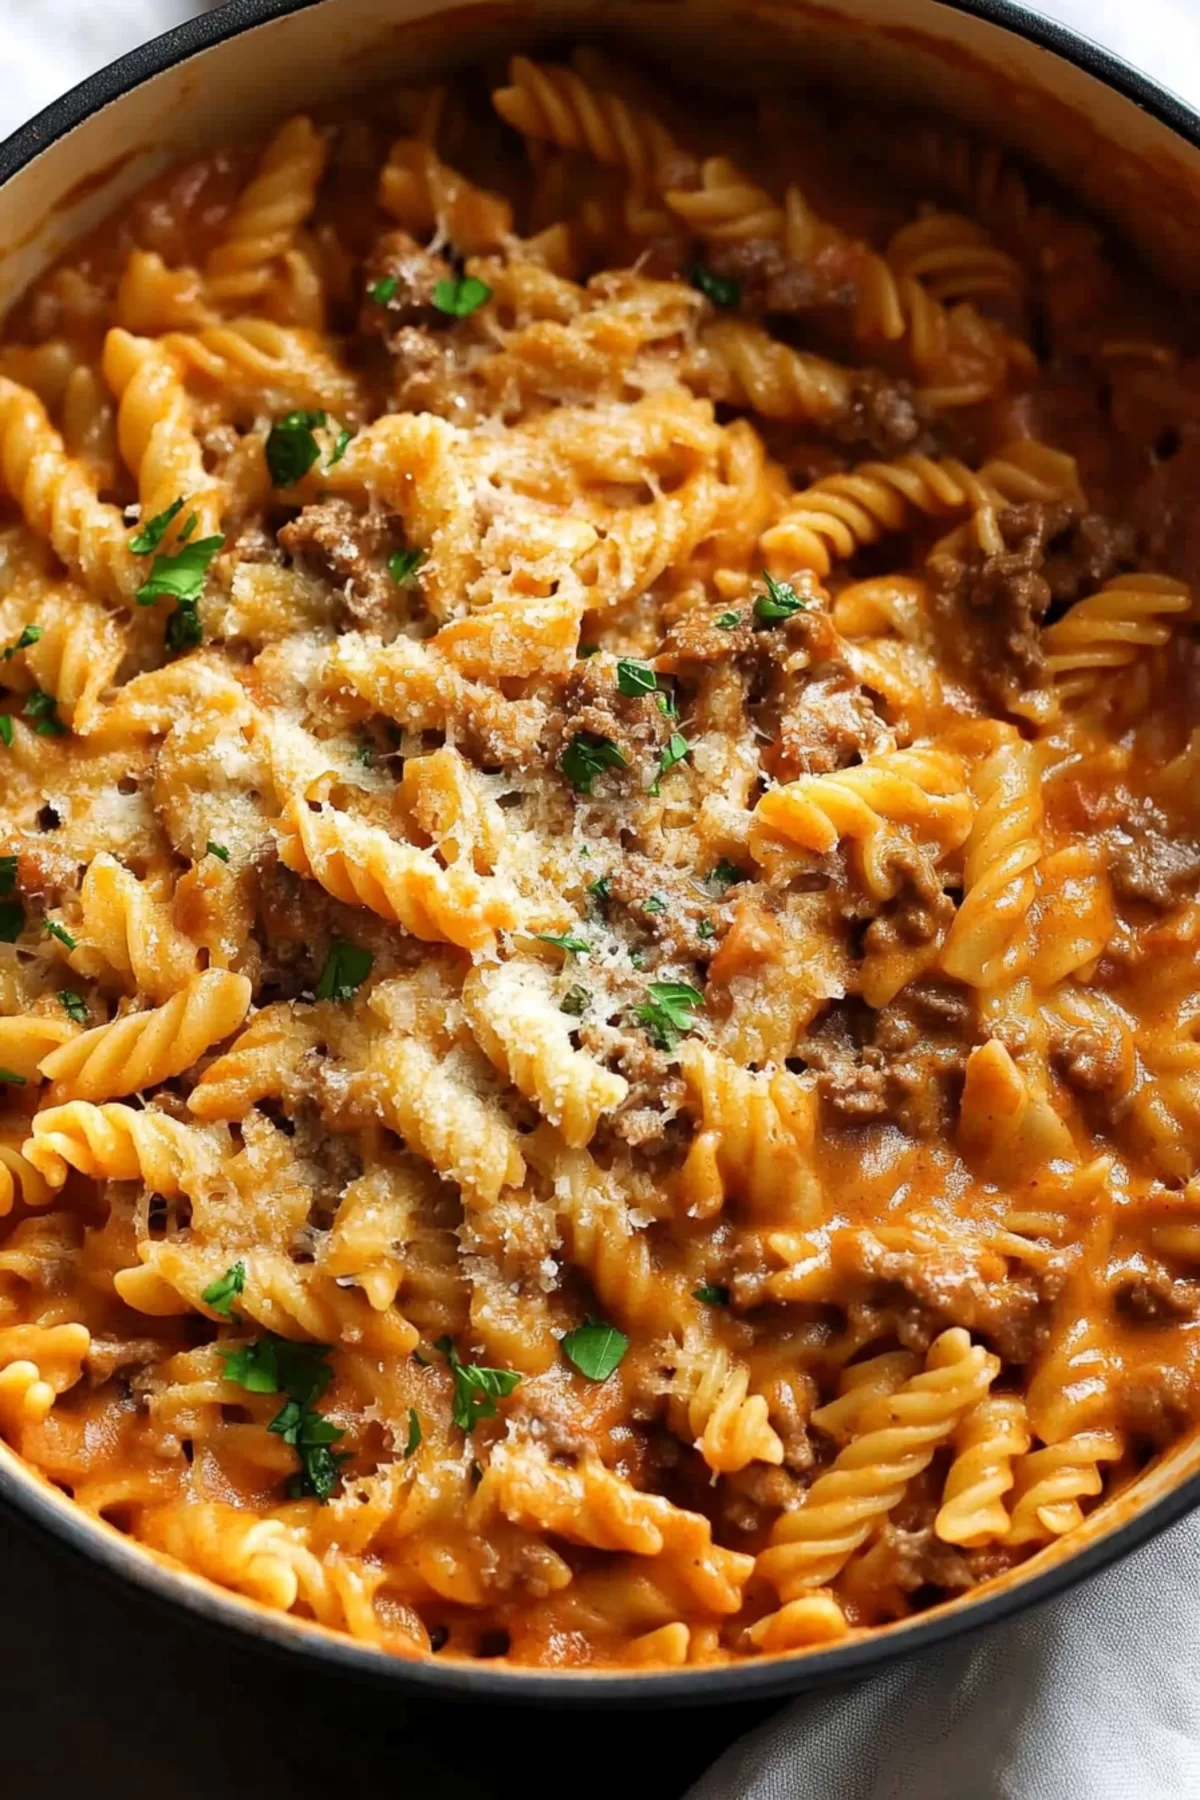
x=600 y=833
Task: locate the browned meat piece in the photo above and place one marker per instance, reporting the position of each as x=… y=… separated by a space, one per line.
x=946 y=1286
x=697 y=638
x=349 y=549
x=1093 y=551
x=592 y=702
x=1088 y=1061
x=1157 y=1405
x=107 y=1357
x=1156 y=1298
x=44 y=872
x=428 y=374
x=771 y=283
x=1147 y=865
x=919 y=1559
x=409 y=275
x=899 y=1064
x=641 y=885
x=881 y=414
x=992 y=605
x=830 y=724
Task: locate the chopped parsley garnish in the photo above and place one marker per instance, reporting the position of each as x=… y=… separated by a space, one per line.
x=637 y=958
x=41 y=706
x=588 y=755
x=674 y=751
x=668 y=1013
x=384 y=289
x=601 y=888
x=11 y=1079
x=155 y=530
x=574 y=946
x=222 y=1293
x=723 y=876
x=60 y=932
x=346 y=968
x=414 y=1432
x=667 y=706
x=217 y=850
x=575 y=1001
x=654 y=904
x=341 y=445
x=6 y=729
x=12 y=921
x=779 y=602
x=706 y=929
x=595 y=1348
x=722 y=290
x=365 y=754
x=460 y=295
x=274 y=1365
x=8 y=874
x=403 y=565
x=728 y=621
x=634 y=678
x=710 y=1295
x=476 y=1389
x=29 y=635
x=291 y=447
x=73 y=1006
x=181 y=577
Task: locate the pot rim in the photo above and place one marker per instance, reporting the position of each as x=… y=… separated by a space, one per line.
x=123 y=1559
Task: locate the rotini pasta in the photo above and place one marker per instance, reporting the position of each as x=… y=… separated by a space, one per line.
x=598 y=857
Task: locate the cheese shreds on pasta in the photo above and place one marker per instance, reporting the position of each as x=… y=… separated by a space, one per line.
x=599 y=871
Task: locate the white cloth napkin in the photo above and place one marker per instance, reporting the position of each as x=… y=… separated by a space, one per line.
x=1093 y=1697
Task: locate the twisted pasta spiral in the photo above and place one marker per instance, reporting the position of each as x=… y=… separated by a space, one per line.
x=742 y=365
x=154 y=430
x=1110 y=629
x=127 y=932
x=1050 y=1483
x=989 y=1437
x=363 y=866
x=710 y=1398
x=987 y=944
x=37 y=1364
x=519 y=1025
x=426 y=195
x=268 y=214
x=439 y=1108
x=115 y=1143
x=556 y=106
x=897 y=1439
x=143 y=1049
x=755 y=1139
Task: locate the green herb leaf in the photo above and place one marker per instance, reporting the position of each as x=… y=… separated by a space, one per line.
x=188 y=529
x=29 y=635
x=706 y=929
x=710 y=1295
x=779 y=602
x=668 y=1014
x=601 y=889
x=341 y=445
x=574 y=1001
x=10 y=1079
x=183 y=627
x=722 y=290
x=654 y=904
x=291 y=447
x=12 y=921
x=180 y=576
x=275 y=1365
x=595 y=1348
x=310 y=1434
x=222 y=1293
x=674 y=751
x=41 y=706
x=365 y=754
x=667 y=706
x=403 y=565
x=723 y=876
x=460 y=296
x=414 y=1432
x=476 y=1389
x=155 y=530
x=6 y=730
x=588 y=755
x=8 y=875
x=73 y=1006
x=728 y=621
x=217 y=850
x=634 y=678
x=384 y=289
x=60 y=932
x=574 y=946
x=346 y=968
